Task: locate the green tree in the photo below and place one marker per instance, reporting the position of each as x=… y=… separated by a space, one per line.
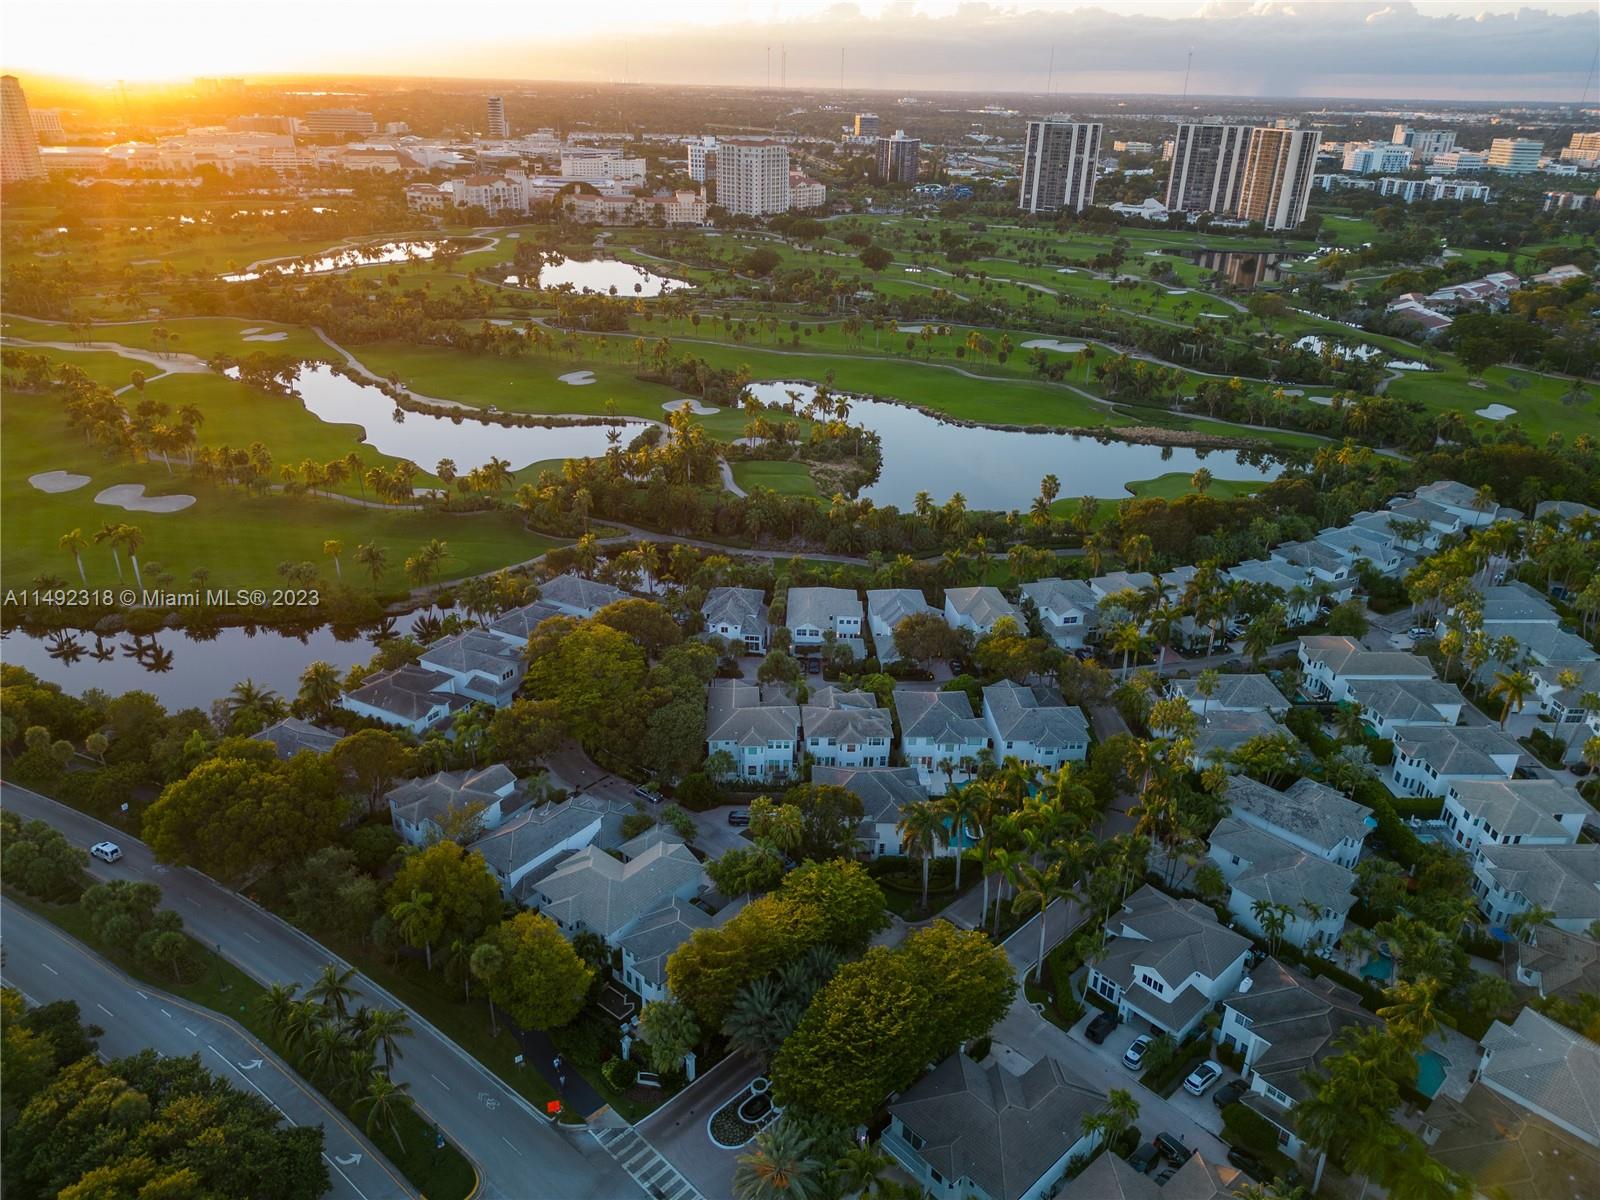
x=781 y=1166
x=595 y=674
x=670 y=1031
x=463 y=897
x=384 y=1101
x=543 y=982
x=829 y=818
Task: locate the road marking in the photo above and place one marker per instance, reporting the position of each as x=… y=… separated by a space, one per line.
x=439 y=1081
x=253 y=1065
x=349 y=1160
x=140 y=994
x=514 y=1150
x=107 y=1011
x=190 y=1032
x=166 y=1014
x=343 y=1176
x=49 y=968
x=251 y=936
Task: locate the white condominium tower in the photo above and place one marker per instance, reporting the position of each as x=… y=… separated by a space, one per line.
x=753 y=176
x=1059 y=165
x=1278 y=175
x=498 y=128
x=21 y=145
x=1207 y=168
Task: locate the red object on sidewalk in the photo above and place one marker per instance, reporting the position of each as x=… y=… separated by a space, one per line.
x=553 y=1107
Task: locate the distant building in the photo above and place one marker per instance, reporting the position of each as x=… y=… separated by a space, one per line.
x=1207 y=168
x=1425 y=143
x=1460 y=162
x=753 y=176
x=338 y=120
x=1277 y=176
x=47 y=125
x=498 y=128
x=1376 y=158
x=702 y=154
x=1583 y=150
x=866 y=125
x=1515 y=156
x=20 y=159
x=1433 y=188
x=589 y=164
x=1571 y=201
x=492 y=193
x=684 y=207
x=806 y=192
x=897 y=158
x=1059 y=164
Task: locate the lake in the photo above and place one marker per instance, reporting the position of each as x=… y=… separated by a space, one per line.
x=1241 y=268
x=340 y=260
x=425 y=439
x=1001 y=468
x=606 y=276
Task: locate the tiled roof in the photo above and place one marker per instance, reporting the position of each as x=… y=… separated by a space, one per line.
x=1280 y=873
x=596 y=891
x=1519 y=806
x=1406 y=700
x=520 y=623
x=534 y=831
x=574 y=591
x=1037 y=715
x=408 y=692
x=1178 y=938
x=750 y=715
x=982 y=605
x=942 y=717
x=1563 y=879
x=821 y=606
x=1547 y=1067
x=1308 y=809
x=1235 y=691
x=1299 y=1017
x=845 y=716
x=1457 y=749
x=292 y=735
x=1109 y=1177
x=1060 y=595
x=739 y=606
x=1508 y=1151
x=658 y=933
x=1345 y=656
x=417 y=800
x=893 y=605
x=884 y=791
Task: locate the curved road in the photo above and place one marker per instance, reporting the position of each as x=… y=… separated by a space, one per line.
x=46 y=965
x=518 y=1155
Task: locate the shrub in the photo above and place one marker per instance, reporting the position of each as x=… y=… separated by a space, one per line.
x=620 y=1074
x=697 y=792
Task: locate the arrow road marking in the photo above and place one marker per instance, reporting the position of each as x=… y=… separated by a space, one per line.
x=348 y=1160
x=252 y=1065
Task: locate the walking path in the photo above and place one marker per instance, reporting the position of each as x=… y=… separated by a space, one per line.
x=172 y=362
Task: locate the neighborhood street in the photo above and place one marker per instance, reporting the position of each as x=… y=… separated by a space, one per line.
x=46 y=965
x=517 y=1153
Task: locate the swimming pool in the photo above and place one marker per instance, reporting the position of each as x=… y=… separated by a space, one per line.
x=1379 y=969
x=1431 y=1069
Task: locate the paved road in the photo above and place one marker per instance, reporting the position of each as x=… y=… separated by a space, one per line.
x=47 y=965
x=517 y=1153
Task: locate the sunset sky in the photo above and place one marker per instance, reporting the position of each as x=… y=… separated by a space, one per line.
x=1446 y=49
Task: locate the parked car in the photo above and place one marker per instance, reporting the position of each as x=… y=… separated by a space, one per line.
x=813 y=666
x=1133 y=1056
x=1100 y=1028
x=1246 y=1162
x=1172 y=1148
x=1229 y=1093
x=1144 y=1158
x=1202 y=1077
x=739 y=816
x=106 y=851
x=957 y=667
x=1419 y=631
x=645 y=793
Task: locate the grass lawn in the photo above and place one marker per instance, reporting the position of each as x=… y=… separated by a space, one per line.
x=218 y=985
x=239 y=539
x=1177 y=483
x=201 y=336
x=103 y=366
x=785 y=478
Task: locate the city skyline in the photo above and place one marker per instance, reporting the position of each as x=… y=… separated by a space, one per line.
x=1352 y=49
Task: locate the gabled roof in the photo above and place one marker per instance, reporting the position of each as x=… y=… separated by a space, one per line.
x=1406 y=700
x=659 y=932
x=977 y=1121
x=1548 y=1067
x=1570 y=697
x=1271 y=572
x=418 y=800
x=893 y=605
x=982 y=605
x=852 y=716
x=1516 y=601
x=942 y=717
x=884 y=791
x=1565 y=509
x=1507 y=1150
x=1299 y=1017
x=520 y=623
x=1219 y=732
x=1568 y=963
x=1176 y=937
x=1308 y=809
x=535 y=831
x=1519 y=806
x=749 y=715
x=1345 y=656
x=1235 y=691
x=1280 y=873
x=596 y=891
x=1060 y=595
x=1312 y=555
x=1037 y=715
x=292 y=735
x=408 y=692
x=1109 y=1177
x=574 y=591
x=743 y=607
x=821 y=606
x=474 y=652
x=1563 y=879
x=1457 y=749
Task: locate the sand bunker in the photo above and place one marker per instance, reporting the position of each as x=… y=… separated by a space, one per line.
x=248 y=332
x=57 y=481
x=933 y=325
x=267 y=337
x=693 y=405
x=578 y=378
x=1497 y=412
x=1052 y=344
x=131 y=497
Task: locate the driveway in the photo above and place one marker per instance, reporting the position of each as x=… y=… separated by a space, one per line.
x=677 y=1129
x=1195 y=1120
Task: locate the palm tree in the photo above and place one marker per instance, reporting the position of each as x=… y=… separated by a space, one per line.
x=859 y=1170
x=1037 y=888
x=1411 y=1014
x=385 y=1028
x=958 y=808
x=374 y=558
x=319 y=687
x=1201 y=480
x=1273 y=920
x=74 y=543
x=301 y=1022
x=755 y=1023
x=1205 y=686
x=277 y=1003
x=327 y=1051
x=1514 y=687
x=413 y=916
x=384 y=1101
x=333 y=548
x=132 y=538
x=486 y=963
x=332 y=990
x=919 y=828
x=108 y=533
x=780 y=1167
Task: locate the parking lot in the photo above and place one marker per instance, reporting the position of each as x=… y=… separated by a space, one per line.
x=1197 y=1109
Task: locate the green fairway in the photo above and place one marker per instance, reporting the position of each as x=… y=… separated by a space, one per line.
x=785 y=478
x=203 y=337
x=1175 y=484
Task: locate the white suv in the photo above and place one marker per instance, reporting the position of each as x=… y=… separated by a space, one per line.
x=106 y=851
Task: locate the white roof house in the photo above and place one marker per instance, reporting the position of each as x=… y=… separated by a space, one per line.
x=1034 y=725
x=1390 y=705
x=519 y=624
x=483 y=666
x=758 y=726
x=1462 y=501
x=411 y=697
x=1511 y=812
x=886 y=608
x=811 y=613
x=738 y=615
x=1312 y=894
x=1234 y=693
x=649 y=940
x=592 y=890
x=1548 y=1069
x=1565 y=880
x=1308 y=815
x=1300 y=602
x=1068 y=608
x=526 y=841
x=978 y=608
x=576 y=596
x=1331 y=662
x=940 y=735
x=292 y=735
x=1427 y=761
x=885 y=792
x=846 y=729
x=421 y=809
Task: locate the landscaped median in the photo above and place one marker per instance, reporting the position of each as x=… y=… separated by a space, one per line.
x=213 y=983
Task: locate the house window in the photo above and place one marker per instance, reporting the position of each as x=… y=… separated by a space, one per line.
x=1154 y=984
x=915 y=1140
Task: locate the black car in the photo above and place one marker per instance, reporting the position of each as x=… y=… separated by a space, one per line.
x=957 y=667
x=739 y=816
x=1172 y=1148
x=1246 y=1162
x=1144 y=1158
x=1100 y=1028
x=1229 y=1093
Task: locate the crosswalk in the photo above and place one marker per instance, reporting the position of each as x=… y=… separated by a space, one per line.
x=659 y=1178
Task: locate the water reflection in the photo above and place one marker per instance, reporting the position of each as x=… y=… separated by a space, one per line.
x=1241 y=268
x=602 y=275
x=341 y=260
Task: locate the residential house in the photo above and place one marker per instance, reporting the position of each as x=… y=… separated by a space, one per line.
x=1167 y=962
x=1507 y=1150
x=978 y=608
x=1428 y=761
x=886 y=608
x=1564 y=511
x=812 y=613
x=1328 y=573
x=1234 y=693
x=1109 y=1177
x=481 y=666
x=975 y=1131
x=1301 y=603
x=1284 y=1025
x=576 y=596
x=1312 y=895
x=1332 y=662
x=1355 y=544
x=1562 y=880
x=758 y=725
x=738 y=615
x=1565 y=705
x=846 y=729
x=1463 y=502
x=650 y=940
x=1558 y=963
x=291 y=736
x=1391 y=705
x=940 y=736
x=1034 y=725
x=1068 y=609
x=592 y=890
x=1547 y=1069
x=1308 y=815
x=424 y=811
x=885 y=793
x=411 y=697
x=1420 y=525
x=1218 y=734
x=518 y=625
x=523 y=843
x=1513 y=812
